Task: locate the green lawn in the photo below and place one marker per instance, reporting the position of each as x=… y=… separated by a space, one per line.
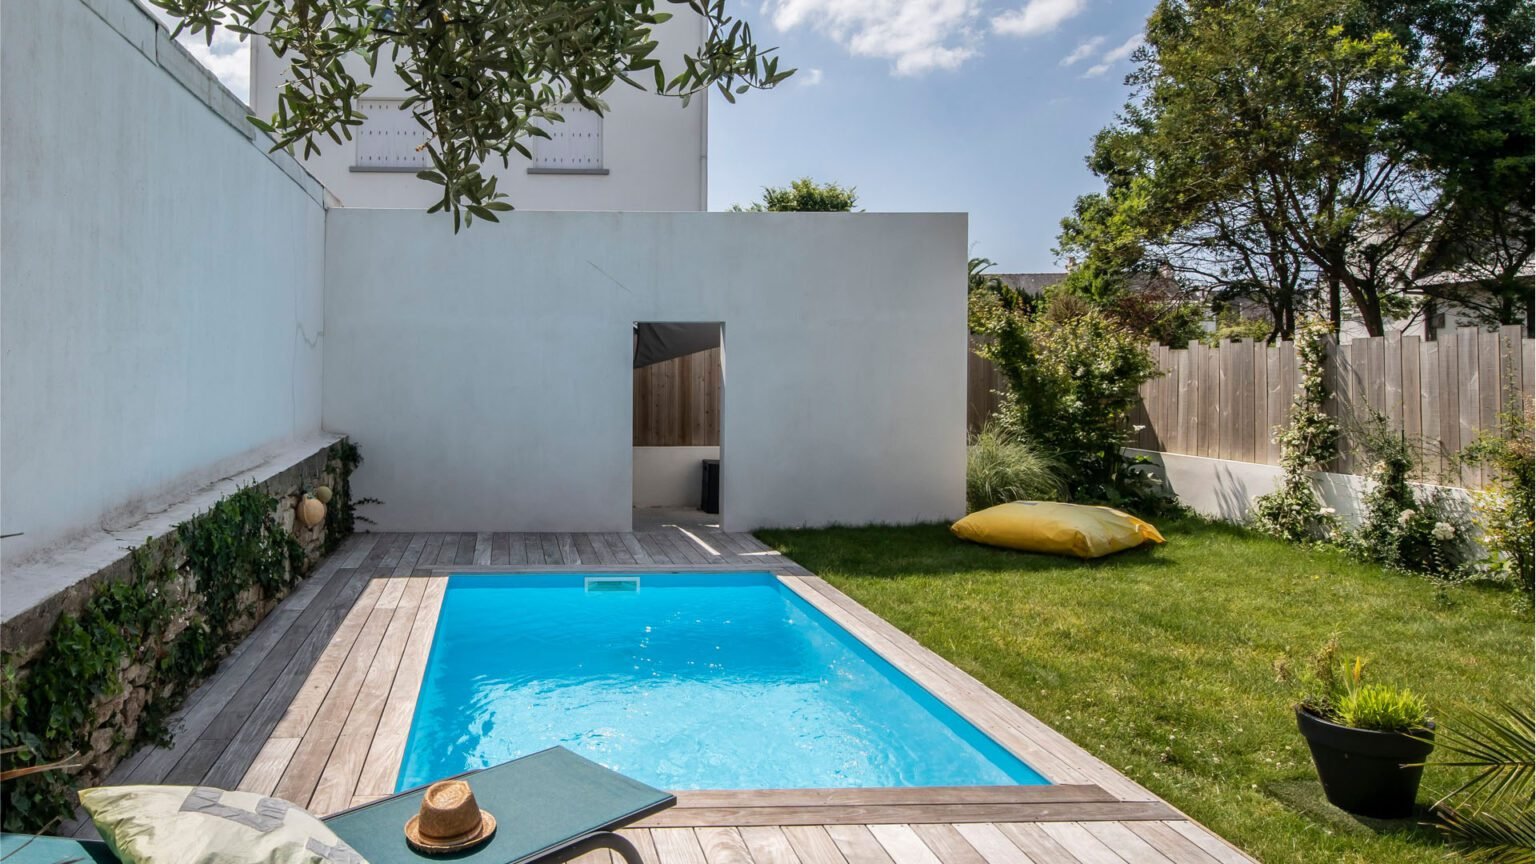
x=1161 y=661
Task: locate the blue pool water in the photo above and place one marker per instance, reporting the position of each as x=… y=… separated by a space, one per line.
x=683 y=681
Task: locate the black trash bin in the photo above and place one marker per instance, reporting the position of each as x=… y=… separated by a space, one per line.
x=710 y=499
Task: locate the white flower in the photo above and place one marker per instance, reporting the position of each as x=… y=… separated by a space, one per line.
x=1328 y=511
x=1405 y=517
x=1443 y=531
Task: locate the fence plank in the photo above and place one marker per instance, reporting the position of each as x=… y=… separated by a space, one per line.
x=1408 y=413
x=1429 y=405
x=1469 y=375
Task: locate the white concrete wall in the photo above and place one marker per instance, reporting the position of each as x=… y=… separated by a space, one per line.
x=160 y=276
x=670 y=476
x=653 y=147
x=487 y=376
x=1226 y=489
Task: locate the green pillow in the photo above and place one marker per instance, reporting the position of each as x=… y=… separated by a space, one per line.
x=201 y=825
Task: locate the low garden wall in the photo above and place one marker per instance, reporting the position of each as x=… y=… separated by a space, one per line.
x=98 y=670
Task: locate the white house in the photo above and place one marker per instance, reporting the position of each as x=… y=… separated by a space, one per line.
x=645 y=153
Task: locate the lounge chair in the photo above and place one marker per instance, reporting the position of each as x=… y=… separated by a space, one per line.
x=551 y=805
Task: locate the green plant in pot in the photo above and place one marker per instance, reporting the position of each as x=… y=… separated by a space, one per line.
x=1368 y=741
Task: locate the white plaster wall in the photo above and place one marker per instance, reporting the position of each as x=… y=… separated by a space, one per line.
x=487 y=376
x=160 y=275
x=653 y=147
x=1226 y=489
x=670 y=476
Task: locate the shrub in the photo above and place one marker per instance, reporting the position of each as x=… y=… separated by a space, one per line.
x=1073 y=376
x=1504 y=507
x=1294 y=511
x=1339 y=693
x=1001 y=467
x=1381 y=708
x=1400 y=528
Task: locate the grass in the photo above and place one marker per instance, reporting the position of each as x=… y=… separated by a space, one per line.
x=1162 y=661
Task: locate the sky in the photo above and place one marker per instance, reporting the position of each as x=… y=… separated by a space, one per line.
x=980 y=106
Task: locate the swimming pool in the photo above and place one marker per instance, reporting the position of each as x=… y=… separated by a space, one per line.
x=683 y=681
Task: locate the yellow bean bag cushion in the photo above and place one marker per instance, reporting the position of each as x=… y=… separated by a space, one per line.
x=1055 y=528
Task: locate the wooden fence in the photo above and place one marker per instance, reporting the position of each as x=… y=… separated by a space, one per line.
x=677 y=402
x=1224 y=402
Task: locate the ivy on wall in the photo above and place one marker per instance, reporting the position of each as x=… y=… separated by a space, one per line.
x=187 y=599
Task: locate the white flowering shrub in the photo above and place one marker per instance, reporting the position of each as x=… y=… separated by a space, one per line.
x=1295 y=511
x=1399 y=527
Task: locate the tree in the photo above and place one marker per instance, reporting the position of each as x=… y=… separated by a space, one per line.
x=1274 y=144
x=482 y=75
x=805 y=196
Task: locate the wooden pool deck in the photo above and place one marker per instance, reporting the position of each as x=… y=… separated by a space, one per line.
x=315 y=705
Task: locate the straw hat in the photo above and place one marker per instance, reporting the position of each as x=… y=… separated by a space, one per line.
x=449 y=821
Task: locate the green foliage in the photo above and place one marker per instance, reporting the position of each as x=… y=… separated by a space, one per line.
x=1505 y=505
x=1001 y=467
x=1400 y=528
x=1381 y=708
x=49 y=708
x=1300 y=152
x=806 y=196
x=1338 y=692
x=235 y=546
x=1490 y=818
x=341 y=514
x=1232 y=326
x=1294 y=511
x=481 y=76
x=51 y=711
x=1073 y=377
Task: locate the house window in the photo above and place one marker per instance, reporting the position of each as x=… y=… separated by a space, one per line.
x=573 y=147
x=390 y=139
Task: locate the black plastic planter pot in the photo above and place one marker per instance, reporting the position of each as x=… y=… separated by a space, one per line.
x=1363 y=771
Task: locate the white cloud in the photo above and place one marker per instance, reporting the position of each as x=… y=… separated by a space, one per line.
x=917 y=36
x=227 y=58
x=1083 y=51
x=1115 y=55
x=1109 y=58
x=808 y=77
x=1037 y=17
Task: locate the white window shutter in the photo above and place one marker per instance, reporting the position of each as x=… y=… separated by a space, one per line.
x=574 y=145
x=389 y=138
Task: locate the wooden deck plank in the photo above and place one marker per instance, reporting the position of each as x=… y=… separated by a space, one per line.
x=1084 y=846
x=769 y=845
x=483 y=542
x=903 y=844
x=635 y=549
x=466 y=550
x=551 y=547
x=339 y=779
x=677 y=846
x=533 y=550
x=813 y=844
x=1132 y=848
x=568 y=552
x=857 y=844
x=301 y=709
x=412 y=555
x=387 y=749
x=616 y=548
x=269 y=766
x=992 y=844
x=1170 y=842
x=274 y=699
x=723 y=846
x=1209 y=843
x=641 y=839
x=501 y=543
x=1036 y=844
x=947 y=843
x=448 y=549
x=298 y=782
